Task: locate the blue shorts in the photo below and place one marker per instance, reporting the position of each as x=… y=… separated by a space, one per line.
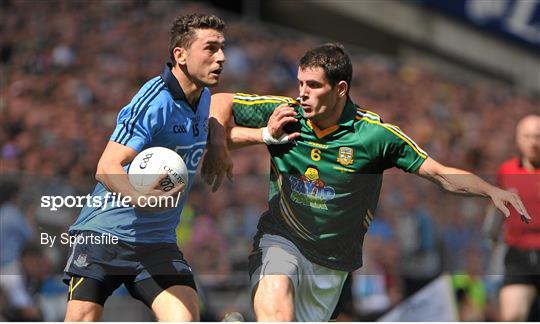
x=110 y=265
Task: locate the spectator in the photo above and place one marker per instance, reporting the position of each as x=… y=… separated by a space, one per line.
x=15 y=228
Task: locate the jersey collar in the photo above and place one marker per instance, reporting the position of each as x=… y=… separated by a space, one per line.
x=172 y=83
x=347 y=117
x=174 y=86
x=345 y=120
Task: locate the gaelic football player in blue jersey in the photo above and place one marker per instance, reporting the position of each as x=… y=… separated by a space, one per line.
x=170 y=110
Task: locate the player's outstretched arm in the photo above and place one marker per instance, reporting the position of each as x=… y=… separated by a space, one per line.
x=223 y=136
x=465 y=183
x=111 y=174
x=217 y=161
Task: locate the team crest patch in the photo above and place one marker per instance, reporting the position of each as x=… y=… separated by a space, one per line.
x=345 y=155
x=81 y=261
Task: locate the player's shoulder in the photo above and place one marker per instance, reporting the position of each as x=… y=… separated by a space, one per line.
x=151 y=96
x=255 y=99
x=368 y=116
x=370 y=123
x=152 y=87
x=154 y=90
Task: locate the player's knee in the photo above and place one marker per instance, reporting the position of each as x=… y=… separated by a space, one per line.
x=83 y=311
x=178 y=313
x=177 y=317
x=274 y=299
x=275 y=313
x=514 y=316
x=514 y=313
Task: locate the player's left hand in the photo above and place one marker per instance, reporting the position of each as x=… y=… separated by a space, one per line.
x=216 y=163
x=501 y=199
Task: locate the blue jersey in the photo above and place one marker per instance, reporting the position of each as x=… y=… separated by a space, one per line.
x=158 y=115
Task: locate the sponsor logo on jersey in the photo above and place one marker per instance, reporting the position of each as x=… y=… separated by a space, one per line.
x=345 y=155
x=192 y=155
x=310 y=190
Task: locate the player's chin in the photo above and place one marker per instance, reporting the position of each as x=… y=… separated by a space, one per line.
x=308 y=114
x=212 y=80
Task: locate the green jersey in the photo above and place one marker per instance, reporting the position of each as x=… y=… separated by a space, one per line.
x=325 y=185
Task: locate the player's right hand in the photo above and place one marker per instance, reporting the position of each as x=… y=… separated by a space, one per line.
x=161 y=198
x=281 y=116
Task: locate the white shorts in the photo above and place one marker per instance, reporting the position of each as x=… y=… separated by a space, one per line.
x=316 y=288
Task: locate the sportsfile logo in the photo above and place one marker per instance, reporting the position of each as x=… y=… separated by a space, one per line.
x=108 y=200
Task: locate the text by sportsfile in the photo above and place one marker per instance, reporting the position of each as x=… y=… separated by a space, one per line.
x=66 y=239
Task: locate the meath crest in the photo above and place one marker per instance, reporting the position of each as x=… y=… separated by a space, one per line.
x=345 y=155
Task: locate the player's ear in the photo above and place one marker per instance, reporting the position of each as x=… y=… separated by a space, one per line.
x=180 y=55
x=342 y=88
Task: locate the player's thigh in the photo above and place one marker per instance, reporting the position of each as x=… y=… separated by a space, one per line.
x=275 y=273
x=83 y=311
x=177 y=303
x=273 y=295
x=515 y=301
x=172 y=297
x=318 y=292
x=86 y=297
x=287 y=286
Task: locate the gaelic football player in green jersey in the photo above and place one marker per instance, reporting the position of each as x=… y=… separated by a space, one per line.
x=327 y=161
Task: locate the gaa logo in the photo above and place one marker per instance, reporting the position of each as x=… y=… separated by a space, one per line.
x=145 y=160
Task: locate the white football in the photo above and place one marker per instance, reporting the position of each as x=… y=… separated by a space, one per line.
x=151 y=163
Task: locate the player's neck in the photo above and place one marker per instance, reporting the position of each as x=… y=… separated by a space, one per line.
x=324 y=122
x=191 y=89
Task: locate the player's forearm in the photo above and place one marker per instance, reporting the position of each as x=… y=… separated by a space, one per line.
x=115 y=179
x=220 y=115
x=455 y=180
x=243 y=136
x=462 y=182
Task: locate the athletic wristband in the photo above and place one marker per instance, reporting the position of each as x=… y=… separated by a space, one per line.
x=269 y=139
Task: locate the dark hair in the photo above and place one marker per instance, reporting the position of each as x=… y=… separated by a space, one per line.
x=333 y=59
x=183 y=29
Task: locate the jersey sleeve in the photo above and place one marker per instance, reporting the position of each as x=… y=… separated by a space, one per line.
x=254 y=110
x=136 y=125
x=399 y=150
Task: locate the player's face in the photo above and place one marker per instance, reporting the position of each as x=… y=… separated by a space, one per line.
x=528 y=139
x=318 y=97
x=205 y=57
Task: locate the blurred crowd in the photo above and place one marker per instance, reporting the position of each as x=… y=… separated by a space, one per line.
x=68 y=67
